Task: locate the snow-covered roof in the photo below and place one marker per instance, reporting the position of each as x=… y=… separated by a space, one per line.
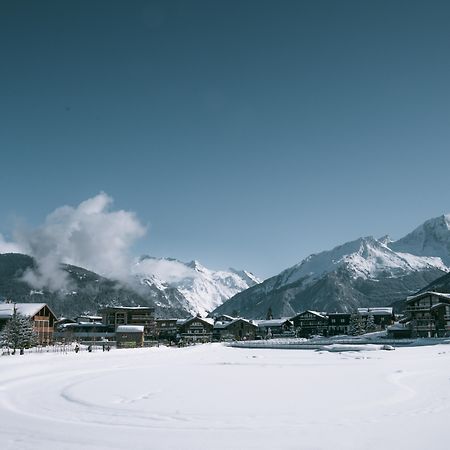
x=426 y=294
x=375 y=311
x=26 y=309
x=130 y=329
x=271 y=322
x=225 y=324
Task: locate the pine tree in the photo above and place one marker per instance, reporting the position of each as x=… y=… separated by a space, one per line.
x=269 y=315
x=356 y=326
x=370 y=324
x=18 y=333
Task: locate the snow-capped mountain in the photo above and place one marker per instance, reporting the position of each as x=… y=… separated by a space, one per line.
x=201 y=289
x=364 y=272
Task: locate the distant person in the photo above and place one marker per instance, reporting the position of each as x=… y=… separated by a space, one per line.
x=77 y=348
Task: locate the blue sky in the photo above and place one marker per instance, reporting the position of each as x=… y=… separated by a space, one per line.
x=246 y=134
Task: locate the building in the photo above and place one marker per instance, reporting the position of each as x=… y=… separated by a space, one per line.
x=274 y=328
x=167 y=329
x=130 y=336
x=40 y=314
x=236 y=329
x=84 y=331
x=196 y=329
x=309 y=323
x=382 y=316
x=338 y=323
x=130 y=315
x=428 y=314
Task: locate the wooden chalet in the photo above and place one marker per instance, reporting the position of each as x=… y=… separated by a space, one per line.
x=338 y=323
x=274 y=328
x=382 y=316
x=236 y=329
x=309 y=323
x=428 y=314
x=40 y=314
x=167 y=329
x=196 y=329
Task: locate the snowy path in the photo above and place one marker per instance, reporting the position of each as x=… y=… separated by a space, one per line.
x=226 y=398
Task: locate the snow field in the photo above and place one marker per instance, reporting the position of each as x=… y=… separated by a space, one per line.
x=216 y=397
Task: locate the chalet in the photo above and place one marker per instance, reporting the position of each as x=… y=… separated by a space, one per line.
x=338 y=323
x=309 y=323
x=428 y=314
x=237 y=329
x=382 y=316
x=130 y=315
x=274 y=328
x=40 y=314
x=196 y=329
x=167 y=329
x=130 y=336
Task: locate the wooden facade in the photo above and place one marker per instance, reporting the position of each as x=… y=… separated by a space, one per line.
x=130 y=336
x=196 y=329
x=428 y=314
x=40 y=314
x=236 y=329
x=310 y=323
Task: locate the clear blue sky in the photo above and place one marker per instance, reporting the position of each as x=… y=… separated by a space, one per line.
x=246 y=133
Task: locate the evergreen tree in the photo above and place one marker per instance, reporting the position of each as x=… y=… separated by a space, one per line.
x=370 y=324
x=356 y=326
x=269 y=315
x=18 y=333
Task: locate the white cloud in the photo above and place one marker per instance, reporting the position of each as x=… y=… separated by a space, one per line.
x=9 y=247
x=170 y=271
x=89 y=235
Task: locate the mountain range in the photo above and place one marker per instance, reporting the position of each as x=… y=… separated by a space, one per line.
x=174 y=288
x=365 y=272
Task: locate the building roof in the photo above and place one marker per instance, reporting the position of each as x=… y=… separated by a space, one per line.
x=225 y=324
x=25 y=309
x=271 y=322
x=378 y=311
x=130 y=329
x=322 y=315
x=426 y=294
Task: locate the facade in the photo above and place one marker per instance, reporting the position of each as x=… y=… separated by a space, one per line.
x=382 y=316
x=196 y=329
x=84 y=331
x=428 y=314
x=40 y=314
x=130 y=315
x=274 y=328
x=167 y=329
x=338 y=323
x=310 y=323
x=130 y=336
x=236 y=329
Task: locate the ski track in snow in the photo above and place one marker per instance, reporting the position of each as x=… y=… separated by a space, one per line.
x=226 y=398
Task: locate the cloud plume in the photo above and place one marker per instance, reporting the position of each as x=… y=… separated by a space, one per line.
x=90 y=235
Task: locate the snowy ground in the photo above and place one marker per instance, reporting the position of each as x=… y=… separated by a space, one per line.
x=215 y=397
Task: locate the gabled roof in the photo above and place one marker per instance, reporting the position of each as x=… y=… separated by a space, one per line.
x=322 y=315
x=25 y=309
x=272 y=322
x=426 y=294
x=223 y=325
x=200 y=319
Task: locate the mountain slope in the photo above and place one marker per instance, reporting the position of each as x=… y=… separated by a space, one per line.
x=202 y=289
x=86 y=293
x=364 y=272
